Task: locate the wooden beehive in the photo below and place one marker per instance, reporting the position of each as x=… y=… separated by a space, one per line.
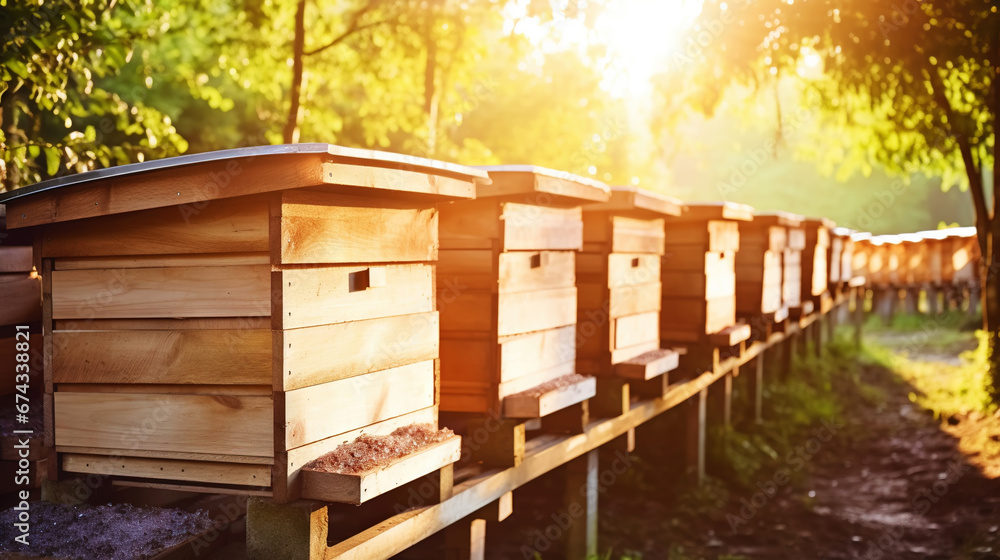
x=964 y=250
x=895 y=260
x=933 y=261
x=847 y=273
x=878 y=262
x=220 y=320
x=699 y=276
x=913 y=268
x=618 y=278
x=508 y=293
x=861 y=256
x=791 y=269
x=760 y=265
x=815 y=276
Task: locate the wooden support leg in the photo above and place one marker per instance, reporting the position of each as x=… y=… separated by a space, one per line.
x=581 y=505
x=466 y=540
x=933 y=297
x=859 y=317
x=912 y=296
x=702 y=410
x=788 y=355
x=818 y=340
x=721 y=401
x=612 y=398
x=758 y=389
x=292 y=531
x=973 y=300
x=803 y=345
x=496 y=442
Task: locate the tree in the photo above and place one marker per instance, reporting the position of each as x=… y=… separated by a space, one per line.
x=911 y=86
x=54 y=115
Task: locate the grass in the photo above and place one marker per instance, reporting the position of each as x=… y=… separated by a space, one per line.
x=920 y=357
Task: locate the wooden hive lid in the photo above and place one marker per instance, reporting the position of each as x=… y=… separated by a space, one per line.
x=705 y=211
x=958 y=232
x=560 y=186
x=633 y=200
x=197 y=178
x=843 y=232
x=786 y=219
x=820 y=222
x=861 y=236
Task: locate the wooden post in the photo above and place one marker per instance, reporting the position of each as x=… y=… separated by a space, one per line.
x=702 y=411
x=581 y=506
x=818 y=340
x=758 y=389
x=912 y=300
x=788 y=354
x=466 y=540
x=859 y=316
x=933 y=300
x=973 y=300
x=292 y=531
x=721 y=401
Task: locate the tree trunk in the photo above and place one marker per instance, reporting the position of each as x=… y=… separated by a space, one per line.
x=291 y=132
x=990 y=292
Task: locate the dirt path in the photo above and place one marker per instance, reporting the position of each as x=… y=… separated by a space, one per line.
x=890 y=483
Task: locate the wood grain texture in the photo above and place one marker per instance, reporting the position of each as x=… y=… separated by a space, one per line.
x=523 y=271
x=16 y=259
x=318 y=412
x=230 y=226
x=158 y=261
x=326 y=228
x=524 y=312
x=239 y=357
x=537 y=406
x=217 y=291
x=168 y=469
x=528 y=227
x=315 y=355
x=631 y=235
x=22 y=299
x=185 y=423
x=337 y=294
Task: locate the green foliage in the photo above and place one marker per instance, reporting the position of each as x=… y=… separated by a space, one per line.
x=901 y=86
x=943 y=387
x=57 y=113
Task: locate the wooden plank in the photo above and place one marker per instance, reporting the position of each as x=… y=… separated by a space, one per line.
x=631 y=235
x=22 y=300
x=466 y=221
x=327 y=228
x=337 y=294
x=16 y=259
x=231 y=226
x=215 y=291
x=178 y=455
x=524 y=354
x=730 y=336
x=524 y=271
x=318 y=412
x=382 y=179
x=541 y=185
x=636 y=329
x=649 y=365
x=534 y=379
x=241 y=357
x=468 y=374
x=632 y=269
x=168 y=469
x=159 y=261
x=528 y=227
x=185 y=423
x=316 y=355
x=468 y=311
x=474 y=269
x=287 y=476
x=624 y=301
x=684 y=257
x=523 y=312
x=359 y=488
x=164 y=324
x=530 y=405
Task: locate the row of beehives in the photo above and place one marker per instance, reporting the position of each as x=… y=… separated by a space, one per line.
x=219 y=323
x=945 y=257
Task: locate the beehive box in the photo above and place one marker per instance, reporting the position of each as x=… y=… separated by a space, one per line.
x=861 y=256
x=878 y=262
x=846 y=255
x=618 y=278
x=508 y=293
x=964 y=257
x=791 y=265
x=815 y=275
x=699 y=276
x=934 y=263
x=760 y=264
x=914 y=267
x=895 y=268
x=220 y=320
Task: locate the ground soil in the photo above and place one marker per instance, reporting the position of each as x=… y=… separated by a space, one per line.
x=891 y=483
